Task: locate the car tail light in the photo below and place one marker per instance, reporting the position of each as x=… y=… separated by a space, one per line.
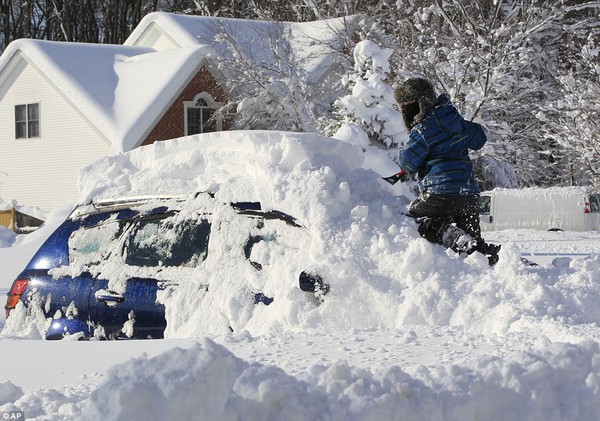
x=586 y=207
x=15 y=293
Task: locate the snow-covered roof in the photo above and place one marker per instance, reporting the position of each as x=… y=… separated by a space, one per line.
x=312 y=43
x=120 y=90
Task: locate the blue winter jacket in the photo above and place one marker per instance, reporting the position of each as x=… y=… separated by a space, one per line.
x=438 y=151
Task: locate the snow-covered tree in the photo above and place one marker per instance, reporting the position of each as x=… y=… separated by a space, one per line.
x=369 y=112
x=267 y=87
x=573 y=119
x=500 y=63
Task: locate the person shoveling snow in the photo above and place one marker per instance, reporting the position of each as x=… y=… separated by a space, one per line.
x=447 y=209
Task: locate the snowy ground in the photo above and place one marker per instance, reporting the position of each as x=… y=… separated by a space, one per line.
x=409 y=331
x=62 y=380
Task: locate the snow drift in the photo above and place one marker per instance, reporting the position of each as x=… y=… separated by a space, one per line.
x=381 y=273
x=208 y=382
x=383 y=279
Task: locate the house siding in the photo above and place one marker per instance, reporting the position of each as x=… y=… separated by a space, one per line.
x=43 y=171
x=171 y=125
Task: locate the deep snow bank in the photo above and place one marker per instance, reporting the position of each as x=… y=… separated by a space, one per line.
x=381 y=272
x=349 y=213
x=207 y=382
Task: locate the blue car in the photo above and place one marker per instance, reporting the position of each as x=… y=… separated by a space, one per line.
x=148 y=236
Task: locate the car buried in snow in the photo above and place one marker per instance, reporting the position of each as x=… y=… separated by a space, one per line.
x=103 y=270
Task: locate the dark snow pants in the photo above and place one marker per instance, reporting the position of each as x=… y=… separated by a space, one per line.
x=435 y=213
x=445 y=219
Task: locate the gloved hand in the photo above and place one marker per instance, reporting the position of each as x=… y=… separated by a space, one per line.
x=403 y=176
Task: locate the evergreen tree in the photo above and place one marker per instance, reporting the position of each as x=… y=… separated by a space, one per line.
x=370 y=108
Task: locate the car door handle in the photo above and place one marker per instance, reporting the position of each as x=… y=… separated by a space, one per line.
x=109 y=297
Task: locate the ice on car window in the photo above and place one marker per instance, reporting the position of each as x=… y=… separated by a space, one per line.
x=162 y=242
x=92 y=245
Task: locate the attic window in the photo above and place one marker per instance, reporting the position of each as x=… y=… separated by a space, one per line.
x=27 y=121
x=199 y=115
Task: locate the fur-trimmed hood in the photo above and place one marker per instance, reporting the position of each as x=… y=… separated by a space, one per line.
x=416 y=90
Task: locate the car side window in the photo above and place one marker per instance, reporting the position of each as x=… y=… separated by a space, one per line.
x=595 y=203
x=91 y=245
x=164 y=242
x=484 y=205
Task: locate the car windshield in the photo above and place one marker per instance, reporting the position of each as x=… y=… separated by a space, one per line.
x=165 y=242
x=91 y=245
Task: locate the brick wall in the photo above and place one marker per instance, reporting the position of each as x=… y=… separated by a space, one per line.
x=171 y=124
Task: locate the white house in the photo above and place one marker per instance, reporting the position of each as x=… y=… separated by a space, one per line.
x=64 y=105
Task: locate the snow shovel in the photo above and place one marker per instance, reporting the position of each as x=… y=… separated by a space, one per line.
x=393 y=179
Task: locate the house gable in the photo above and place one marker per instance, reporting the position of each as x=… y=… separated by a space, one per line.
x=121 y=90
x=43 y=170
x=154 y=37
x=94 y=100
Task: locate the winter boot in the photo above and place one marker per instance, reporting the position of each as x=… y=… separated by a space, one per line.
x=458 y=240
x=490 y=250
